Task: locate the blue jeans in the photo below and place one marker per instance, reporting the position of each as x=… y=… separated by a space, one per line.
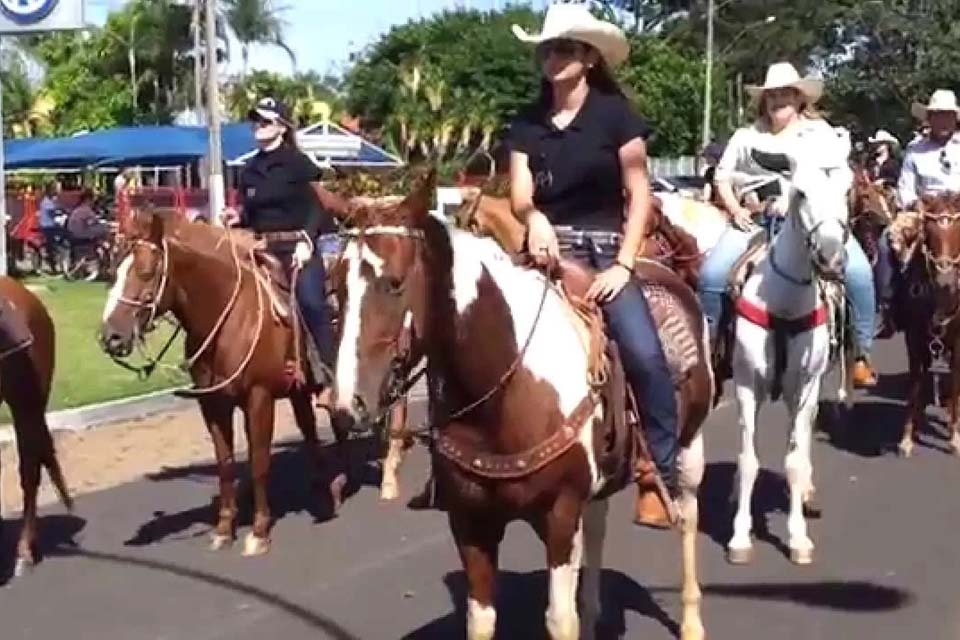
x=858 y=276
x=885 y=268
x=631 y=326
x=312 y=297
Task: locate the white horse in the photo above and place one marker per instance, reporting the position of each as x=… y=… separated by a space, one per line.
x=783 y=342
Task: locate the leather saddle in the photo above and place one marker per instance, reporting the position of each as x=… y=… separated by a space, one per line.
x=667 y=297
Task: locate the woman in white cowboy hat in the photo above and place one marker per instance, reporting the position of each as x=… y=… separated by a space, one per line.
x=579 y=159
x=787 y=122
x=883 y=164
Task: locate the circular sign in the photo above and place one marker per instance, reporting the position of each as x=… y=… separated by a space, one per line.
x=27 y=11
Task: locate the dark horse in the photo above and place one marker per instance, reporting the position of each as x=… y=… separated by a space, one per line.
x=928 y=306
x=519 y=429
x=239 y=347
x=25 y=377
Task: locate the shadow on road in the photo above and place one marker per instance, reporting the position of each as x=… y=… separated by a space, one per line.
x=718 y=496
x=290 y=491
x=311 y=618
x=55 y=532
x=521 y=602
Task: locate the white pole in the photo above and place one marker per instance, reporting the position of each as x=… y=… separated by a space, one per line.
x=708 y=82
x=3 y=192
x=215 y=183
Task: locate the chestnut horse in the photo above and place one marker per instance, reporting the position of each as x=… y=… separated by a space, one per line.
x=666 y=243
x=928 y=305
x=239 y=348
x=516 y=423
x=25 y=378
x=872 y=209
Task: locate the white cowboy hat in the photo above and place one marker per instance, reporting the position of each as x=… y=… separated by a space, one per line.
x=941 y=100
x=575 y=22
x=784 y=74
x=881 y=136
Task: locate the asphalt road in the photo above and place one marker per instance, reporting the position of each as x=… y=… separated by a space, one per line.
x=132 y=564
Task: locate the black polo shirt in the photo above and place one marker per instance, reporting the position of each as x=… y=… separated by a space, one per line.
x=576 y=170
x=276 y=194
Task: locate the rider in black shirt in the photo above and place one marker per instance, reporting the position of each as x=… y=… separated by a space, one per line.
x=281 y=203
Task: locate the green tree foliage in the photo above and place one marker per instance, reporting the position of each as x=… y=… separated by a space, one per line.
x=256 y=22
x=303 y=94
x=444 y=87
x=666 y=85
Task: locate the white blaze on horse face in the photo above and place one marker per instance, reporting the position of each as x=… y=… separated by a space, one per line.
x=116 y=291
x=355 y=254
x=555 y=354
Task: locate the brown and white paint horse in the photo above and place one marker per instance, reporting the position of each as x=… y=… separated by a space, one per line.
x=928 y=244
x=508 y=381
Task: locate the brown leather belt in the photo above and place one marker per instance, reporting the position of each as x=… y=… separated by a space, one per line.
x=283 y=236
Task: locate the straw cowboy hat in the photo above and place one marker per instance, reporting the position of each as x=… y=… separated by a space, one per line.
x=575 y=22
x=941 y=100
x=784 y=74
x=883 y=136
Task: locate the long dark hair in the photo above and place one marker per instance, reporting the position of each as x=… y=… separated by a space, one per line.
x=290 y=136
x=599 y=77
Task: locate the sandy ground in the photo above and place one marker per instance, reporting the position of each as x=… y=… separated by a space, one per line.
x=126 y=451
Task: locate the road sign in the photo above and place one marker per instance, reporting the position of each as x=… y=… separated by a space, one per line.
x=30 y=16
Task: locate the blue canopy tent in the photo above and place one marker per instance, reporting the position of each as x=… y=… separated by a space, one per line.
x=179 y=145
x=124 y=146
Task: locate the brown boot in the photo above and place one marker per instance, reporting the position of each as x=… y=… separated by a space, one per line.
x=863 y=374
x=654 y=507
x=651 y=510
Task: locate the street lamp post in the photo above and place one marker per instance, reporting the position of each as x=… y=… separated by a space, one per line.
x=708 y=82
x=215 y=182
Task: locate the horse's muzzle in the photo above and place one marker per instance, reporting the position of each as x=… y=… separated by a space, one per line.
x=114 y=343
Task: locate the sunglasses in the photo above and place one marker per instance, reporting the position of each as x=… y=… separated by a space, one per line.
x=944 y=161
x=560 y=47
x=263 y=122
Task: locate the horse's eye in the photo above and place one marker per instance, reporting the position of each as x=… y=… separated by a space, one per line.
x=392 y=286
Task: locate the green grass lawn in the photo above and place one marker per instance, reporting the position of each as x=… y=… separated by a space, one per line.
x=84 y=374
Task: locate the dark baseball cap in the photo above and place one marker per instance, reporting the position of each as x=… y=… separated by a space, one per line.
x=272 y=110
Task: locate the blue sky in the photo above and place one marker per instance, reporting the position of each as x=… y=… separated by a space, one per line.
x=323 y=33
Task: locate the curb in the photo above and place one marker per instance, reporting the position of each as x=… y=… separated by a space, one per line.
x=105 y=413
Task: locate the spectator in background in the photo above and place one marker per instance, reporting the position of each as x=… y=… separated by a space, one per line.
x=83 y=224
x=711 y=155
x=47 y=220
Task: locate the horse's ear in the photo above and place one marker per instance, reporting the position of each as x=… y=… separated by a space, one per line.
x=416 y=206
x=156 y=228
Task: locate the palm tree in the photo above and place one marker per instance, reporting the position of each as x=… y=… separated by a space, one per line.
x=256 y=22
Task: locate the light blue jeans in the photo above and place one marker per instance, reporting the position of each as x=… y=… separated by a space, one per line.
x=858 y=275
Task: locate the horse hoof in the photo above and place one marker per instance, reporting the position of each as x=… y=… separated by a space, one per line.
x=905 y=448
x=337 y=486
x=389 y=492
x=218 y=542
x=812 y=509
x=801 y=557
x=740 y=556
x=255 y=546
x=692 y=631
x=23 y=567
